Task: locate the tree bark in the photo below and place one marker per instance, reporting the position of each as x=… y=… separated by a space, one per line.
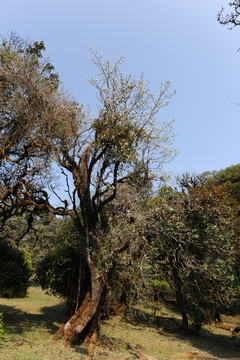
x=85 y=322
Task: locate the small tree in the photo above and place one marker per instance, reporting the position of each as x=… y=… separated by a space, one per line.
x=121 y=143
x=195 y=236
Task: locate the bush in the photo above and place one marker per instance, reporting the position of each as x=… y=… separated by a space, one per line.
x=58 y=270
x=14 y=272
x=58 y=273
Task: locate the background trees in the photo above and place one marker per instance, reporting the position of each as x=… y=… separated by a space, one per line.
x=22 y=248
x=229 y=177
x=196 y=240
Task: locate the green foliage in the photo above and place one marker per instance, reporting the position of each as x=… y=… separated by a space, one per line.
x=229 y=177
x=13 y=229
x=42 y=237
x=162 y=290
x=34 y=241
x=195 y=239
x=27 y=257
x=14 y=271
x=58 y=269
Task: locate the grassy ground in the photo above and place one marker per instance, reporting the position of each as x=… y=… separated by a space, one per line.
x=30 y=323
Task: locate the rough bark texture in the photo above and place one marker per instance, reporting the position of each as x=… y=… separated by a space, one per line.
x=85 y=323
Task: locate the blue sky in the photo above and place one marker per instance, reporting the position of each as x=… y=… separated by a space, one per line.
x=179 y=41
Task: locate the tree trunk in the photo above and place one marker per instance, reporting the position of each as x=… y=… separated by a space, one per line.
x=180 y=303
x=107 y=304
x=85 y=322
x=180 y=298
x=121 y=304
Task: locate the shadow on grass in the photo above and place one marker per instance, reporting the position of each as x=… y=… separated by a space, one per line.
x=219 y=345
x=223 y=345
x=140 y=316
x=17 y=321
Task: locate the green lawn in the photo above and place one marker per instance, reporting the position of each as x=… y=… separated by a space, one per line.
x=31 y=322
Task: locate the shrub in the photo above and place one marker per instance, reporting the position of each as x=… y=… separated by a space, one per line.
x=58 y=269
x=14 y=272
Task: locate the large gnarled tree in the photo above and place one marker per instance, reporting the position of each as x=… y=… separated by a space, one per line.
x=42 y=129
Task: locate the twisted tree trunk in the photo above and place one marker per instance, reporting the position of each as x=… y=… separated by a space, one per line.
x=85 y=322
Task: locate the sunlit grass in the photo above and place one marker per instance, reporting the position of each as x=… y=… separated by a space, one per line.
x=30 y=323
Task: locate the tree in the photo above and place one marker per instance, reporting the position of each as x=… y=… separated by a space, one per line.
x=229 y=177
x=27 y=96
x=38 y=238
x=122 y=143
x=196 y=241
x=187 y=180
x=232 y=18
x=14 y=270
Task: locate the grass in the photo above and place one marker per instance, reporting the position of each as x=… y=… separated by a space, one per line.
x=30 y=323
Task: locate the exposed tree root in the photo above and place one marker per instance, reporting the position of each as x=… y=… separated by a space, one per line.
x=92 y=342
x=138 y=354
x=85 y=322
x=68 y=326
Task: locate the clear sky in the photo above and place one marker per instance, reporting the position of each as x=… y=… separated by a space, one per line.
x=179 y=41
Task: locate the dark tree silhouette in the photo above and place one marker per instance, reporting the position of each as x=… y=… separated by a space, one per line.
x=232 y=18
